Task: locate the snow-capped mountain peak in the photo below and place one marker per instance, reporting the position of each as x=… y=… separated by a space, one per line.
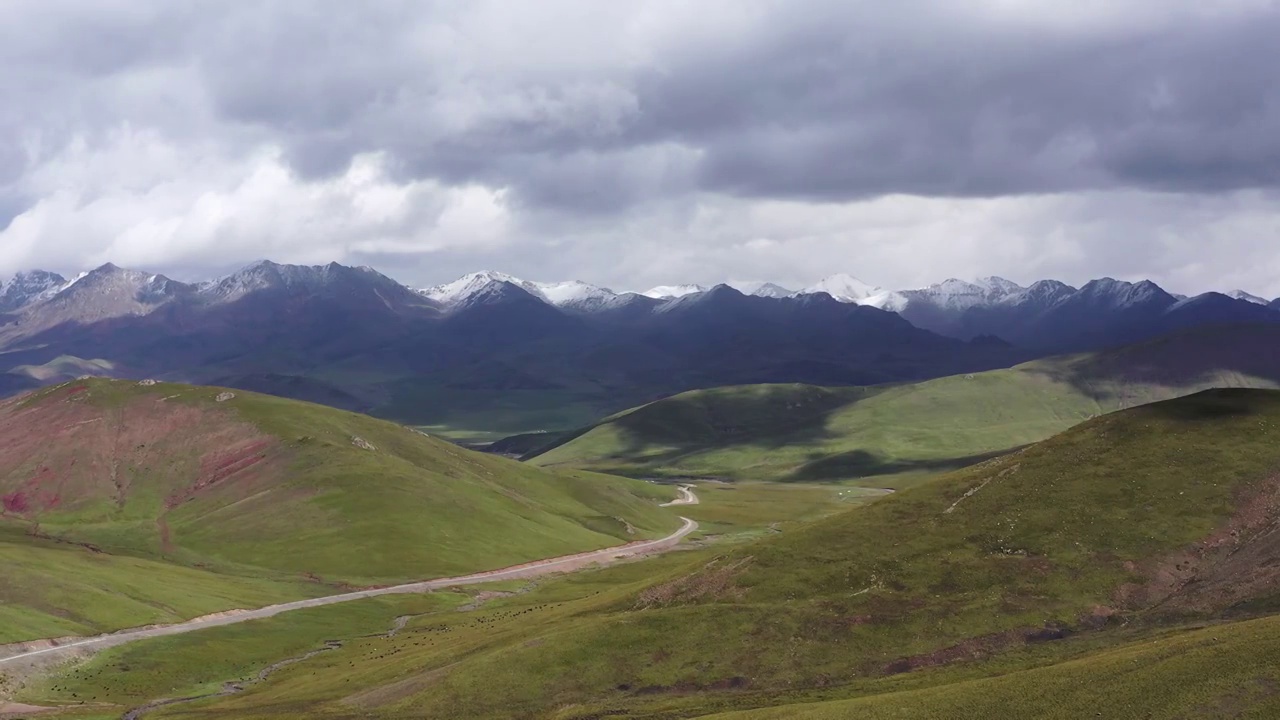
x=663 y=292
x=472 y=283
x=576 y=295
x=998 y=286
x=1247 y=297
x=845 y=288
x=26 y=288
x=957 y=294
x=571 y=294
x=1109 y=292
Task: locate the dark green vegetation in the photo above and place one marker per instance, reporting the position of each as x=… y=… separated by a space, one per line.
x=1056 y=565
x=893 y=435
x=126 y=504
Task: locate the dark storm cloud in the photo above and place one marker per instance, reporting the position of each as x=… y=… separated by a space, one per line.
x=842 y=110
x=752 y=138
x=820 y=100
x=825 y=100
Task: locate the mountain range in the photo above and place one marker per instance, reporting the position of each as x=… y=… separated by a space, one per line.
x=355 y=338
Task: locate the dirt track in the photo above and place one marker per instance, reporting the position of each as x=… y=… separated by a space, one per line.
x=686 y=497
x=41 y=651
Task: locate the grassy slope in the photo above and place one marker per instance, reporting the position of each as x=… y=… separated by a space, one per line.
x=893 y=435
x=52 y=590
x=1216 y=672
x=199 y=663
x=304 y=501
x=1040 y=539
x=180 y=666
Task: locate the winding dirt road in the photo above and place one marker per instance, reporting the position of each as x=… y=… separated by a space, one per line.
x=686 y=497
x=40 y=651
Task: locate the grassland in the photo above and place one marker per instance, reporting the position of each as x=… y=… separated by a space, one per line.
x=1222 y=671
x=255 y=498
x=53 y=590
x=1126 y=529
x=179 y=666
x=201 y=663
x=894 y=436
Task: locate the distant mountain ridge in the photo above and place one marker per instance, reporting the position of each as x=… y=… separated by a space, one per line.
x=1046 y=315
x=358 y=339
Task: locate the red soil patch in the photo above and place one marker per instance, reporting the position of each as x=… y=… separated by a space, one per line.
x=59 y=455
x=219 y=465
x=15 y=502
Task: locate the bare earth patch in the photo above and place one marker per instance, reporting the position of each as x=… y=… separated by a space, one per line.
x=1238 y=562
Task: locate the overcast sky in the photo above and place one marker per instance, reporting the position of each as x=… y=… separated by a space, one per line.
x=637 y=143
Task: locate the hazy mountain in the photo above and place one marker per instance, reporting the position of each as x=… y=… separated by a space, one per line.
x=1053 y=316
x=105 y=293
x=25 y=288
x=761 y=289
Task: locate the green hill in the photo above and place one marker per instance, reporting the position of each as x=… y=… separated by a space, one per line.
x=1071 y=558
x=892 y=435
x=175 y=500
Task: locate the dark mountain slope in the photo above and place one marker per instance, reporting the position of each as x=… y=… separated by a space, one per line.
x=359 y=339
x=892 y=434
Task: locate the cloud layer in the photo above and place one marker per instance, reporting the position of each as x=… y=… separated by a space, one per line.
x=632 y=143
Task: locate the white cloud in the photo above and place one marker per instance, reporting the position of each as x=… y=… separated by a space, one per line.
x=140 y=200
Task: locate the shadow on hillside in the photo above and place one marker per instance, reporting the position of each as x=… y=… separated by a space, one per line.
x=1219 y=404
x=860 y=463
x=759 y=417
x=1178 y=364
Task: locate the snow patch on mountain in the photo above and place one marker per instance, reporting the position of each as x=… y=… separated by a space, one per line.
x=845 y=288
x=665 y=292
x=1247 y=297
x=1042 y=293
x=893 y=301
x=569 y=294
x=953 y=294
x=468 y=285
x=26 y=288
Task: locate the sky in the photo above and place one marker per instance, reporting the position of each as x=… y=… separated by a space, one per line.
x=637 y=143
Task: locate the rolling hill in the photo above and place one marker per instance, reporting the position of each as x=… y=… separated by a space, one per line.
x=893 y=434
x=1101 y=554
x=268 y=497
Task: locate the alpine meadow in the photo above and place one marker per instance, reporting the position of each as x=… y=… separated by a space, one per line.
x=573 y=360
